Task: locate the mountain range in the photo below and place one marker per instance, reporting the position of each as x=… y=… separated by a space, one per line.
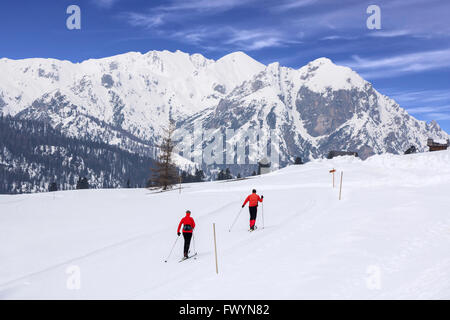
x=126 y=100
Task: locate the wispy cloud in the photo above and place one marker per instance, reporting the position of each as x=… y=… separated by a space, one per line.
x=428 y=104
x=400 y=64
x=438 y=116
x=177 y=10
x=204 y=5
x=255 y=39
x=389 y=34
x=292 y=4
x=232 y=38
x=147 y=21
x=429 y=109
x=105 y=3
x=422 y=96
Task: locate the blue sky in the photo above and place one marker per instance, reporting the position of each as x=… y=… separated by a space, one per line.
x=408 y=59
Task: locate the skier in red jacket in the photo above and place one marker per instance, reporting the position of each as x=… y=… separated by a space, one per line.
x=188 y=227
x=253 y=207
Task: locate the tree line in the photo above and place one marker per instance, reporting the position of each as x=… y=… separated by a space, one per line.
x=35 y=157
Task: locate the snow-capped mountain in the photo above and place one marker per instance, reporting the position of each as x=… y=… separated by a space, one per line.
x=125 y=100
x=318 y=108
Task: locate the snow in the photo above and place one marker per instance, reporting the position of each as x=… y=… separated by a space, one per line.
x=324 y=74
x=388 y=238
x=440 y=141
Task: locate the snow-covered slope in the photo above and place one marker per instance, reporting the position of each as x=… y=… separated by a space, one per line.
x=387 y=238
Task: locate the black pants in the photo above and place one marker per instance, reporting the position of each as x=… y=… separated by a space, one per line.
x=187 y=242
x=253 y=211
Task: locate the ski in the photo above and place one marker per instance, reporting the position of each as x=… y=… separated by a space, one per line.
x=188 y=257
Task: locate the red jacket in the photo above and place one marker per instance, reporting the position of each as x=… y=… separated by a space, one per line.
x=186 y=221
x=252 y=200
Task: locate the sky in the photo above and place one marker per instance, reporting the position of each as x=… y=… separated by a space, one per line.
x=407 y=58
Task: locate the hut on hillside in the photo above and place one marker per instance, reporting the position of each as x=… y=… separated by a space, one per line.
x=437 y=146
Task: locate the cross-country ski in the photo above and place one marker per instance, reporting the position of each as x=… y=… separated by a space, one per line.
x=188 y=257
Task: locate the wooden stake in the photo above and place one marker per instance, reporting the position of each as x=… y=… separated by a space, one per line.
x=332 y=171
x=340 y=188
x=333 y=179
x=180 y=183
x=215 y=247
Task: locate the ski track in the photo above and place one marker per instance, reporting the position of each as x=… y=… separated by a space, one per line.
x=26 y=279
x=70 y=261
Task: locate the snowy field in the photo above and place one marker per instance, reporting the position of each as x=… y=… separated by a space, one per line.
x=388 y=238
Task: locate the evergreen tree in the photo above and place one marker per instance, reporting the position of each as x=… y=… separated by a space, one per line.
x=78 y=187
x=298 y=160
x=228 y=174
x=53 y=187
x=82 y=183
x=199 y=175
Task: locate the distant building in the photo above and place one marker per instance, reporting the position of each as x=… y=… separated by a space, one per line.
x=435 y=146
x=333 y=154
x=264 y=166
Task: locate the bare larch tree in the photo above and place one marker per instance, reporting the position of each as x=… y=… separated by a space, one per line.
x=165 y=174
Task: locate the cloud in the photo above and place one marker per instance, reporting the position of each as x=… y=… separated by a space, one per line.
x=204 y=5
x=147 y=21
x=421 y=96
x=196 y=36
x=255 y=39
x=429 y=104
x=429 y=109
x=180 y=10
x=400 y=64
x=292 y=4
x=389 y=34
x=213 y=39
x=438 y=116
x=105 y=3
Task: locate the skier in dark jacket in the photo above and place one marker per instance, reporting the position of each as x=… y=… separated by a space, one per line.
x=253 y=207
x=188 y=227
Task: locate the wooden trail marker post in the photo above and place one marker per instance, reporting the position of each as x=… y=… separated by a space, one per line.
x=332 y=172
x=215 y=247
x=340 y=188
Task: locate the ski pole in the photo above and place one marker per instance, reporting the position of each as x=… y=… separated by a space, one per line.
x=193 y=241
x=235 y=220
x=172 y=249
x=262 y=213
